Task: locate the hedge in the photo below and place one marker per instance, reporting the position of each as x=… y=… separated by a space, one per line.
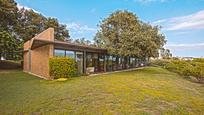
x=187 y=68
x=198 y=71
x=159 y=62
x=62 y=67
x=180 y=67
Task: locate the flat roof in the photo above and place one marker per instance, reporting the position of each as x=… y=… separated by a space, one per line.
x=66 y=45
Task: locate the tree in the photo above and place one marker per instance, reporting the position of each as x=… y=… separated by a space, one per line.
x=7 y=44
x=82 y=41
x=118 y=34
x=99 y=40
x=22 y=24
x=8 y=14
x=61 y=33
x=30 y=23
x=151 y=41
x=165 y=53
x=123 y=34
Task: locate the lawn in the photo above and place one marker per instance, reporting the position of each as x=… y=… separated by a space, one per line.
x=150 y=90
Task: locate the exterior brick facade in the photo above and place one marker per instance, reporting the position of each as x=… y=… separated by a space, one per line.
x=36 y=60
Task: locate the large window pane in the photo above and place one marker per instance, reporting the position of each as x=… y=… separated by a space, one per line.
x=109 y=63
x=95 y=62
x=114 y=63
x=58 y=52
x=70 y=54
x=120 y=64
x=134 y=62
x=89 y=61
x=101 y=62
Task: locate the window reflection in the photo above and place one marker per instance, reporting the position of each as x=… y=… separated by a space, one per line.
x=70 y=54
x=58 y=52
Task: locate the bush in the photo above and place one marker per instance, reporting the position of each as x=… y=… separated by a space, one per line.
x=198 y=71
x=180 y=67
x=159 y=62
x=187 y=68
x=62 y=67
x=198 y=60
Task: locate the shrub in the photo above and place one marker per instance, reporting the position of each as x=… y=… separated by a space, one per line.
x=198 y=71
x=181 y=67
x=198 y=60
x=187 y=68
x=159 y=62
x=62 y=67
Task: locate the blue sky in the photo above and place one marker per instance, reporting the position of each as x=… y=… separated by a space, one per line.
x=182 y=20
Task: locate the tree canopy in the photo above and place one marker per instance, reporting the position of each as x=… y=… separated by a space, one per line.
x=122 y=33
x=165 y=53
x=23 y=24
x=19 y=25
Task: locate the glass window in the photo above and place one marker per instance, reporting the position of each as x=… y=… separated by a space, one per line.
x=95 y=62
x=119 y=63
x=109 y=63
x=89 y=61
x=101 y=62
x=134 y=62
x=58 y=52
x=114 y=62
x=70 y=54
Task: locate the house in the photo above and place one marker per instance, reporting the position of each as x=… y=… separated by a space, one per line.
x=39 y=49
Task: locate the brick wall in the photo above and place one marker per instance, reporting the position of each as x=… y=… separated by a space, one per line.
x=38 y=64
x=26 y=47
x=40 y=61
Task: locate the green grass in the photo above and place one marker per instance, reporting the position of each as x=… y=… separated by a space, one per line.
x=150 y=90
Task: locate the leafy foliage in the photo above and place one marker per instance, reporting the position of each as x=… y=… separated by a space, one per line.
x=165 y=53
x=82 y=41
x=9 y=45
x=187 y=68
x=62 y=67
x=198 y=71
x=31 y=23
x=8 y=13
x=198 y=60
x=181 y=67
x=122 y=33
x=161 y=63
x=23 y=24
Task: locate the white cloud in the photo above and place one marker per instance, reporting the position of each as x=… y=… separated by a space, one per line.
x=188 y=22
x=79 y=27
x=185 y=46
x=27 y=8
x=79 y=31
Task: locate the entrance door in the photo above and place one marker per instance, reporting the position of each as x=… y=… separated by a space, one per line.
x=79 y=60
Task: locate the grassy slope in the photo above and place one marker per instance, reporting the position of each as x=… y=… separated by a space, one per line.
x=145 y=91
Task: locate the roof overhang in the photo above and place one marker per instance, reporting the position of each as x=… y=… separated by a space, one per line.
x=36 y=43
x=77 y=47
x=39 y=43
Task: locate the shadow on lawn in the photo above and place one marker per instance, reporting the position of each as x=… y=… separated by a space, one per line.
x=7 y=66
